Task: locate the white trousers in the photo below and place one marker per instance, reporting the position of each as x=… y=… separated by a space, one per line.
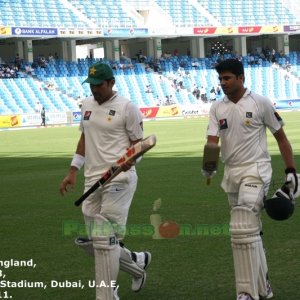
x=112 y=202
x=247 y=185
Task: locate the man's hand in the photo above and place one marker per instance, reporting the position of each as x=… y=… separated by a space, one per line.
x=69 y=180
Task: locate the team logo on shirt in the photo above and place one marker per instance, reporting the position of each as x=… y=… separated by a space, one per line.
x=87 y=115
x=112 y=240
x=112 y=112
x=248 y=116
x=247 y=122
x=223 y=124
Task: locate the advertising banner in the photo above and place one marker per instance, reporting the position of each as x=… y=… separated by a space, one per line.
x=169 y=111
x=291 y=28
x=149 y=112
x=31 y=120
x=126 y=32
x=195 y=110
x=76 y=116
x=31 y=31
x=205 y=30
x=5 y=30
x=80 y=32
x=36 y=120
x=287 y=104
x=10 y=121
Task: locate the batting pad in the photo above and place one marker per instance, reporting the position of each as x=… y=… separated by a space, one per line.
x=246 y=247
x=107 y=255
x=263 y=271
x=128 y=265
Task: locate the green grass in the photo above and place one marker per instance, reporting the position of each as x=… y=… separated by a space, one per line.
x=195 y=265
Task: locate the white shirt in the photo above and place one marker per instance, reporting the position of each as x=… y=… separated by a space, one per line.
x=242 y=128
x=108 y=129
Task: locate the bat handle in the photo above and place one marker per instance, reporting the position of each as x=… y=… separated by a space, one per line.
x=80 y=200
x=208 y=180
x=87 y=193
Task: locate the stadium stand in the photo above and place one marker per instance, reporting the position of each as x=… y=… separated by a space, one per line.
x=113 y=13
x=57 y=85
x=259 y=12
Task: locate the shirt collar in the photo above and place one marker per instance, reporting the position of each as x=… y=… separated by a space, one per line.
x=247 y=92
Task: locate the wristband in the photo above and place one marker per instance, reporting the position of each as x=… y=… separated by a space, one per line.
x=290 y=170
x=77 y=161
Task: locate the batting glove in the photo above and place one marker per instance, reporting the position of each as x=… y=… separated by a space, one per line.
x=208 y=174
x=291 y=182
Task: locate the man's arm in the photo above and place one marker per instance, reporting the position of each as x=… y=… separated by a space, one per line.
x=76 y=164
x=210 y=159
x=285 y=148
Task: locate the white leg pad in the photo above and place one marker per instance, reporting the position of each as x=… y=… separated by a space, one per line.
x=128 y=265
x=107 y=255
x=263 y=271
x=246 y=244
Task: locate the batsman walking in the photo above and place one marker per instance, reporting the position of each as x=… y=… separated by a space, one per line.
x=239 y=121
x=110 y=124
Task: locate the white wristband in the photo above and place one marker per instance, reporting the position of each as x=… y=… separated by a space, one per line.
x=77 y=161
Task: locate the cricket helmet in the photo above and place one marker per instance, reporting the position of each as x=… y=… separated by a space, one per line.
x=280 y=207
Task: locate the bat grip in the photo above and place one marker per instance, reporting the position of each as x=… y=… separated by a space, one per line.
x=87 y=193
x=208 y=180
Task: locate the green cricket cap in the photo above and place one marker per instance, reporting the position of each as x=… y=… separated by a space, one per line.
x=98 y=73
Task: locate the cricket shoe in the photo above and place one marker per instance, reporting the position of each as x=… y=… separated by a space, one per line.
x=244 y=296
x=269 y=292
x=143 y=260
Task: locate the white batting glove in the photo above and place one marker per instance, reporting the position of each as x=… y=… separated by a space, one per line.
x=208 y=174
x=291 y=182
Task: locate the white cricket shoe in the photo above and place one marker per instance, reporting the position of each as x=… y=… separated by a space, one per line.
x=143 y=259
x=244 y=296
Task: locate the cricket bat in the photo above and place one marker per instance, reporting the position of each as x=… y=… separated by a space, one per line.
x=210 y=159
x=134 y=152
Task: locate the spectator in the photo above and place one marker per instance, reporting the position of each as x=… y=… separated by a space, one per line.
x=218 y=90
x=18 y=62
x=37 y=107
x=148 y=89
x=203 y=95
x=196 y=92
x=141 y=57
x=213 y=95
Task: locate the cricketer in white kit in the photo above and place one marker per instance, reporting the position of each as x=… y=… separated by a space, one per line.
x=109 y=125
x=239 y=122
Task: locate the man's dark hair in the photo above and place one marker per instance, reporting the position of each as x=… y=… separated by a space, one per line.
x=232 y=65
